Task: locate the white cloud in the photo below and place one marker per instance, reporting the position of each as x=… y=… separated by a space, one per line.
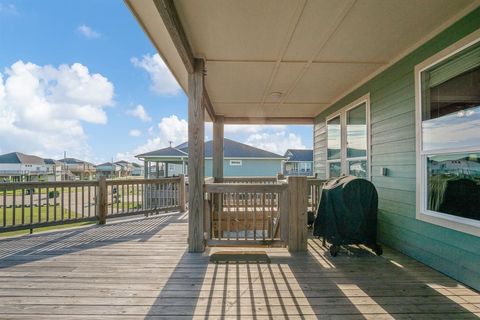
x=135 y=133
x=140 y=112
x=42 y=108
x=163 y=82
x=9 y=8
x=88 y=32
x=277 y=142
x=169 y=129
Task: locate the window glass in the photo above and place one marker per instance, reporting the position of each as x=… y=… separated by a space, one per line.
x=335 y=169
x=334 y=138
x=357 y=132
x=451 y=113
x=453 y=184
x=358 y=168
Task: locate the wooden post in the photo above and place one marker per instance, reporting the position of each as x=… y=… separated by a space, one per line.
x=297 y=213
x=280 y=176
x=196 y=158
x=102 y=198
x=217 y=160
x=182 y=194
x=284 y=215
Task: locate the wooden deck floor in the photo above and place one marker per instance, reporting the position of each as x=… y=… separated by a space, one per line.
x=140 y=269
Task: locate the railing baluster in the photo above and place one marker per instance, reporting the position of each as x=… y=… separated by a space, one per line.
x=63 y=203
x=83 y=201
x=39 y=199
x=48 y=205
x=31 y=206
x=5 y=206
x=117 y=198
x=128 y=198
x=76 y=202
x=13 y=206
x=69 y=203
x=229 y=196
x=123 y=199
x=263 y=216
x=254 y=216
x=89 y=195
x=23 y=206
x=245 y=214
x=55 y=203
x=237 y=208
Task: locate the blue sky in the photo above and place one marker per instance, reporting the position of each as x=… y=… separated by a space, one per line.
x=73 y=74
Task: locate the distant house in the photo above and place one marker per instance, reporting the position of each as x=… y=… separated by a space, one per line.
x=126 y=168
x=137 y=170
x=239 y=160
x=54 y=170
x=109 y=170
x=78 y=169
x=299 y=162
x=17 y=166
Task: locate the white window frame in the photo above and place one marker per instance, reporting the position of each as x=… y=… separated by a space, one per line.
x=343 y=136
x=422 y=213
x=236 y=163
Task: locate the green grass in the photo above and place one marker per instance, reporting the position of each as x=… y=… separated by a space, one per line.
x=43 y=229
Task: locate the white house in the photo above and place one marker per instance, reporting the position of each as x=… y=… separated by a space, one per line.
x=16 y=166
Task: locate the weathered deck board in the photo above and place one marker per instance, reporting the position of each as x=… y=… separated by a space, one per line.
x=140 y=269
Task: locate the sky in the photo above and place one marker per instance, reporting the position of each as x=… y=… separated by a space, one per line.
x=82 y=77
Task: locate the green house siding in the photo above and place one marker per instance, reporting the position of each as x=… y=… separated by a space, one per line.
x=249 y=167
x=392 y=98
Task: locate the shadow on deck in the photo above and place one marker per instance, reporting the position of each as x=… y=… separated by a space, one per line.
x=139 y=269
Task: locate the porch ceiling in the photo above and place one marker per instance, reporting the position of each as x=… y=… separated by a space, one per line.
x=293 y=58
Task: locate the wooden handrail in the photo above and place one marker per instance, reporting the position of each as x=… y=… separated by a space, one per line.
x=243 y=187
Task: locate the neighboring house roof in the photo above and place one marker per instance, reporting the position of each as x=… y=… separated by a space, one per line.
x=136 y=165
x=51 y=161
x=231 y=148
x=74 y=161
x=299 y=155
x=165 y=152
x=106 y=164
x=21 y=158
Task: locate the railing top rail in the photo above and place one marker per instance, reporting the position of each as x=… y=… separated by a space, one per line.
x=58 y=184
x=244 y=187
x=142 y=181
x=251 y=178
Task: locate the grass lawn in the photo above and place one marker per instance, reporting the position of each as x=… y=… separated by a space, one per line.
x=39 y=216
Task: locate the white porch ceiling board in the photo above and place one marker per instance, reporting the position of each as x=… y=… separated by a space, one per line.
x=237 y=81
x=322 y=82
x=269 y=110
x=314 y=28
x=284 y=78
x=236 y=30
x=378 y=30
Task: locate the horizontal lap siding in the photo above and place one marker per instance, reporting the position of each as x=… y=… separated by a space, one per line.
x=392 y=98
x=319 y=136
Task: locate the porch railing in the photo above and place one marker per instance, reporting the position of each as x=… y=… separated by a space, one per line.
x=29 y=205
x=244 y=212
x=259 y=210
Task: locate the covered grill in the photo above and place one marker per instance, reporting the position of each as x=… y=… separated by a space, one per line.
x=347 y=214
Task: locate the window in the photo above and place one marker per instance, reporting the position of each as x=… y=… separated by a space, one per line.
x=448 y=137
x=235 y=162
x=348 y=140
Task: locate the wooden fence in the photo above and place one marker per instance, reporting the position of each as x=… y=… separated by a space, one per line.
x=29 y=205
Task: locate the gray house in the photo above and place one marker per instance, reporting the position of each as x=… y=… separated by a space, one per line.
x=299 y=162
x=240 y=160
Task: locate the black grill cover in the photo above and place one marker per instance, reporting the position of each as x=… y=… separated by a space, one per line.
x=347 y=213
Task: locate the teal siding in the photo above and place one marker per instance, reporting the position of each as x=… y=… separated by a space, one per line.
x=392 y=97
x=249 y=167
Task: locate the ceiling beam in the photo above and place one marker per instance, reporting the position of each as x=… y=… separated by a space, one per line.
x=268 y=120
x=172 y=23
x=209 y=106
x=170 y=18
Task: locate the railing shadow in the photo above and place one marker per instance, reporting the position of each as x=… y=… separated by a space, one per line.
x=29 y=248
x=361 y=284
